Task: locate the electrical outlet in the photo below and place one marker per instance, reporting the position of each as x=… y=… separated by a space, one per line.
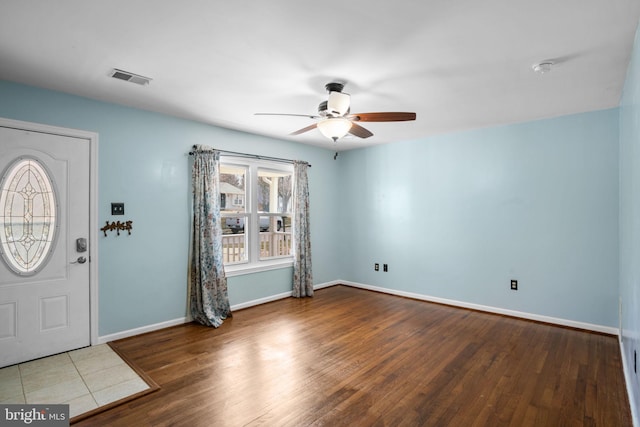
x=376 y=266
x=514 y=285
x=385 y=268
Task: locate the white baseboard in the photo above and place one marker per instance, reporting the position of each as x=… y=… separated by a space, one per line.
x=141 y=330
x=328 y=284
x=553 y=320
x=530 y=316
x=260 y=301
x=149 y=328
x=276 y=297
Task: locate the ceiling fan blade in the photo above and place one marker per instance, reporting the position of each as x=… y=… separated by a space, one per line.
x=382 y=117
x=287 y=114
x=359 y=131
x=303 y=130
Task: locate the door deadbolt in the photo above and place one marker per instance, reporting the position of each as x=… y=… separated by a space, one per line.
x=81 y=244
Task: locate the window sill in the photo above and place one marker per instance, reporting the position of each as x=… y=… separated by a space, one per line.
x=240 y=269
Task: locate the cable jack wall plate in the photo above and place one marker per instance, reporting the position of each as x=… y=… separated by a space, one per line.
x=117 y=208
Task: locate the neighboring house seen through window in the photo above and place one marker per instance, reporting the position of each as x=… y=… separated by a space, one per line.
x=256 y=214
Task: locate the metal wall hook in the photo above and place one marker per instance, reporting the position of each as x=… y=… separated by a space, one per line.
x=117 y=226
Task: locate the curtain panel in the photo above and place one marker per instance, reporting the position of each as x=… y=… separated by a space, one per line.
x=208 y=295
x=302 y=277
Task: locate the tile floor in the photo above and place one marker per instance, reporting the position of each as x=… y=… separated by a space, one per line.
x=85 y=379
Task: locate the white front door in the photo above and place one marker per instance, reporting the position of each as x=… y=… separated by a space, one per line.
x=44 y=244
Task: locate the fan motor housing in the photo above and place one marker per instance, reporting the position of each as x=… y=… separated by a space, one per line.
x=323 y=110
x=334 y=87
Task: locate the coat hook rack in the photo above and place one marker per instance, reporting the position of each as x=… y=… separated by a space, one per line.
x=117 y=226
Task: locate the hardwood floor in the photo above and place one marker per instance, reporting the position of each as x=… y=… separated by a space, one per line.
x=350 y=357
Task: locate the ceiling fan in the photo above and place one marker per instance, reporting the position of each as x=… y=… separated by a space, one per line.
x=335 y=120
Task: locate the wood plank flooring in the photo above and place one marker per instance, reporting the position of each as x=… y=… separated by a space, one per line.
x=351 y=357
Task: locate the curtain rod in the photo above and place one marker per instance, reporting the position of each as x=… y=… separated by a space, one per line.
x=253 y=156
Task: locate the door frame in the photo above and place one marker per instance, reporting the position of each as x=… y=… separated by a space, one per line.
x=92 y=137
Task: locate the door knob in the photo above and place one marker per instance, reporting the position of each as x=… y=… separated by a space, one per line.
x=80 y=260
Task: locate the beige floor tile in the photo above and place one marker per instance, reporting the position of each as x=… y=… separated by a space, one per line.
x=81 y=404
x=37 y=366
x=58 y=393
x=92 y=351
x=13 y=400
x=98 y=362
x=9 y=373
x=10 y=384
x=107 y=377
x=119 y=391
x=48 y=376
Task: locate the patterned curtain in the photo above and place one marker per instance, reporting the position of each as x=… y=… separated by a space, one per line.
x=302 y=278
x=208 y=296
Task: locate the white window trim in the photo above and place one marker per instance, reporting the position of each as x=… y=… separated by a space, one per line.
x=254 y=264
x=266 y=265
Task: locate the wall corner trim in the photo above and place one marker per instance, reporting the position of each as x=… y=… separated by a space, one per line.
x=625 y=369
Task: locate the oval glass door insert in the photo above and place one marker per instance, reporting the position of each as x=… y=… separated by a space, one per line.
x=27 y=216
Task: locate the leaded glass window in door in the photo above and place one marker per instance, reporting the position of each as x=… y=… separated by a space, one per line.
x=27 y=216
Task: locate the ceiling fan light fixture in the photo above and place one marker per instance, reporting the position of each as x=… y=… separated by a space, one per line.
x=335 y=120
x=334 y=128
x=338 y=103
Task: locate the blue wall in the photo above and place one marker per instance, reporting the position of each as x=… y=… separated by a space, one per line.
x=454 y=216
x=143 y=162
x=630 y=222
x=457 y=216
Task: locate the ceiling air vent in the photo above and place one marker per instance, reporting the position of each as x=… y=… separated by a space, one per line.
x=130 y=77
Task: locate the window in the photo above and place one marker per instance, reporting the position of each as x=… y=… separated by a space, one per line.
x=256 y=218
x=28 y=216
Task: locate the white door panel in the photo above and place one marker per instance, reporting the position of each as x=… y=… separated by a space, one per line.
x=44 y=310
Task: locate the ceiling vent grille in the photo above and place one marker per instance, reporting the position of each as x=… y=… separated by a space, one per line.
x=130 y=77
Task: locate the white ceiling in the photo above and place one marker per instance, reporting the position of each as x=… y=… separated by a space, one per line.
x=459 y=64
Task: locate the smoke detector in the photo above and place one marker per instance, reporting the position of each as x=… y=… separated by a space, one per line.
x=543 y=67
x=130 y=77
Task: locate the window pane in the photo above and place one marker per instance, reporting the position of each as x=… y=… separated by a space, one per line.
x=271 y=223
x=233 y=224
x=233 y=196
x=234 y=239
x=233 y=200
x=275 y=236
x=274 y=191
